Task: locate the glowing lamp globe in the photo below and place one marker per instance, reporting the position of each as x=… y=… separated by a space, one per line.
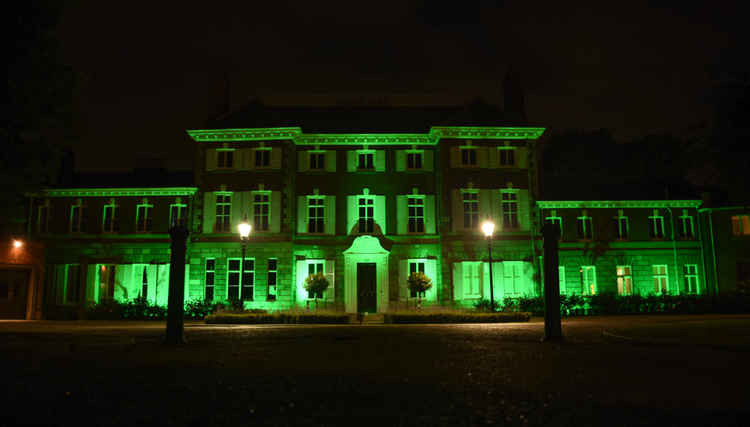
x=488 y=227
x=17 y=243
x=244 y=229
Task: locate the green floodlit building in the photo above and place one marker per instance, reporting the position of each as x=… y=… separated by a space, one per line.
x=334 y=194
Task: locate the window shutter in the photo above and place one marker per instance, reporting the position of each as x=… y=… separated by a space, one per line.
x=330 y=220
x=211 y=159
x=485 y=205
x=301 y=214
x=380 y=213
x=524 y=210
x=429 y=215
x=303 y=161
x=351 y=161
x=522 y=157
x=275 y=161
x=275 y=220
x=482 y=156
x=493 y=157
x=430 y=270
x=209 y=212
x=428 y=160
x=455 y=156
x=328 y=268
x=458 y=211
x=351 y=214
x=330 y=157
x=403 y=274
x=400 y=160
x=458 y=278
x=380 y=161
x=402 y=217
x=299 y=286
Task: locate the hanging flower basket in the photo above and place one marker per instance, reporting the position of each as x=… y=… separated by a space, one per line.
x=315 y=285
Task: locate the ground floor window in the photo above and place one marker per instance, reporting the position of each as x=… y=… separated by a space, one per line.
x=210 y=275
x=273 y=264
x=416 y=267
x=472 y=279
x=588 y=279
x=561 y=277
x=72 y=283
x=624 y=280
x=690 y=273
x=240 y=287
x=315 y=267
x=659 y=273
x=512 y=278
x=107 y=282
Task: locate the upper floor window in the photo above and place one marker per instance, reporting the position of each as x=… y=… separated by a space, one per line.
x=143 y=217
x=415 y=206
x=111 y=220
x=42 y=220
x=556 y=220
x=78 y=218
x=690 y=273
x=622 y=226
x=261 y=211
x=741 y=225
x=507 y=157
x=366 y=160
x=686 y=225
x=510 y=209
x=223 y=213
x=177 y=214
x=366 y=211
x=317 y=160
x=315 y=214
x=468 y=156
x=224 y=158
x=414 y=159
x=471 y=209
x=585 y=226
x=656 y=225
x=262 y=157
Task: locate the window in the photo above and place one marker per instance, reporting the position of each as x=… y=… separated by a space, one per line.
x=144 y=283
x=210 y=275
x=177 y=214
x=315 y=215
x=510 y=209
x=468 y=156
x=366 y=214
x=507 y=157
x=72 y=283
x=416 y=214
x=588 y=278
x=143 y=218
x=42 y=218
x=471 y=209
x=262 y=158
x=622 y=226
x=224 y=159
x=416 y=267
x=624 y=280
x=414 y=160
x=656 y=225
x=223 y=211
x=271 y=282
x=659 y=273
x=107 y=282
x=690 y=273
x=317 y=160
x=585 y=228
x=472 y=279
x=741 y=225
x=554 y=219
x=512 y=278
x=110 y=220
x=315 y=267
x=561 y=277
x=234 y=270
x=365 y=160
x=261 y=209
x=686 y=225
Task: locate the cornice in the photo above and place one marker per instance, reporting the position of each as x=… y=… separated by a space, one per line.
x=554 y=204
x=117 y=192
x=366 y=138
x=252 y=134
x=482 y=132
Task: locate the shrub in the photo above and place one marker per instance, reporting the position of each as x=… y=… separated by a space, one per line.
x=483 y=306
x=316 y=284
x=418 y=283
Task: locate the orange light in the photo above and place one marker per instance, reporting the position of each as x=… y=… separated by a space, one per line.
x=17 y=243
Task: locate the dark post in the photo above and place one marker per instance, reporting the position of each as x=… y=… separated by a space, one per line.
x=552 y=323
x=176 y=300
x=492 y=287
x=242 y=277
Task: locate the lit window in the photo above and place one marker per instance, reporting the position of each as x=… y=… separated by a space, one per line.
x=416 y=267
x=143 y=218
x=262 y=158
x=225 y=159
x=624 y=280
x=471 y=209
x=510 y=209
x=366 y=214
x=588 y=278
x=210 y=275
x=317 y=160
x=365 y=160
x=507 y=157
x=261 y=211
x=472 y=279
x=223 y=212
x=512 y=278
x=661 y=282
x=585 y=227
x=78 y=218
x=271 y=274
x=656 y=225
x=414 y=160
x=561 y=277
x=42 y=220
x=622 y=226
x=107 y=282
x=111 y=220
x=177 y=214
x=690 y=273
x=315 y=267
x=235 y=290
x=741 y=225
x=315 y=215
x=468 y=156
x=416 y=214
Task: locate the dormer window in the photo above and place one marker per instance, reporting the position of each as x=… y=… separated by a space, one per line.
x=225 y=158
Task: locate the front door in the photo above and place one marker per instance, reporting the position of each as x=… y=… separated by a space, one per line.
x=366 y=288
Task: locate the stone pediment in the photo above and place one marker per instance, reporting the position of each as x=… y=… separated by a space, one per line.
x=366 y=245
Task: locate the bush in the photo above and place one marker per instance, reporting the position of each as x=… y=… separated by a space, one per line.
x=483 y=306
x=455 y=317
x=316 y=284
x=418 y=283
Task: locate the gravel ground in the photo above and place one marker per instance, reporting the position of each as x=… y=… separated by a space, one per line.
x=622 y=370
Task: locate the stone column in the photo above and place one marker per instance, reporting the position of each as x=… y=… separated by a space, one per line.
x=552 y=322
x=176 y=299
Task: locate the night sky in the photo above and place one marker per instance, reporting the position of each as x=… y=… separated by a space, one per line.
x=148 y=72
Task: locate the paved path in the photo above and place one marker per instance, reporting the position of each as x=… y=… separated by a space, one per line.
x=643 y=370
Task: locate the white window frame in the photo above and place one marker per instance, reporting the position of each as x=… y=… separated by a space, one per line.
x=114 y=225
x=369 y=204
x=661 y=279
x=261 y=199
x=472 y=279
x=690 y=274
x=473 y=214
x=415 y=213
x=225 y=217
x=145 y=226
x=624 y=275
x=588 y=279
x=418 y=158
x=318 y=266
x=741 y=225
x=316 y=205
x=656 y=225
x=687 y=227
x=225 y=158
x=587 y=226
x=417 y=265
x=509 y=208
x=507 y=152
x=209 y=284
x=245 y=287
x=368 y=166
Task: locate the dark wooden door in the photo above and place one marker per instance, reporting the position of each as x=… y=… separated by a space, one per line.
x=14 y=285
x=366 y=288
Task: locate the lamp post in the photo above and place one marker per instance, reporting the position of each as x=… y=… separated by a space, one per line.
x=244 y=230
x=488 y=227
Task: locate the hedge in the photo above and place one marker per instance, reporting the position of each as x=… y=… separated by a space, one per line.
x=456 y=317
x=278 y=317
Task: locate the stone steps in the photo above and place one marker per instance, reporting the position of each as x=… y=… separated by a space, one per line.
x=371 y=319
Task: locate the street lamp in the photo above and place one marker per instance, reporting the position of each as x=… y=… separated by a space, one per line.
x=244 y=230
x=488 y=227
